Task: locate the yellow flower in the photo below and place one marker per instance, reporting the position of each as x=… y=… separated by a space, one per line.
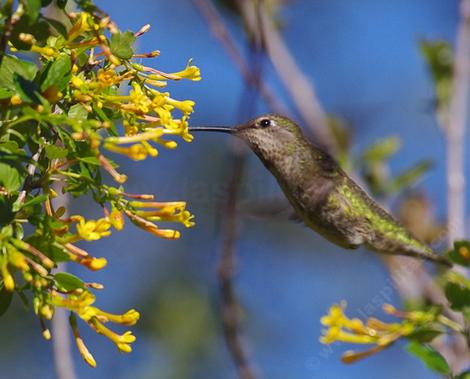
x=136 y=152
x=185 y=106
x=190 y=72
x=81 y=304
x=83 y=25
x=8 y=281
x=91 y=230
x=139 y=99
x=116 y=219
x=343 y=329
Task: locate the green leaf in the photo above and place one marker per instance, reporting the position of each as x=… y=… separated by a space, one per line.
x=61 y=3
x=460 y=254
x=35 y=200
x=458 y=295
x=78 y=112
x=57 y=25
x=12 y=65
x=6 y=211
x=425 y=335
x=408 y=177
x=381 y=150
x=28 y=91
x=430 y=357
x=55 y=152
x=5 y=93
x=10 y=177
x=32 y=8
x=38 y=28
x=5 y=299
x=68 y=282
x=58 y=73
x=121 y=44
x=463 y=375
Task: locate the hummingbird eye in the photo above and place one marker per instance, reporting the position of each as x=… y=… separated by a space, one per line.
x=265 y=122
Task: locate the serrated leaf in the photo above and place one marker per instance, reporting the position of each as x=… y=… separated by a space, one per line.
x=10 y=177
x=460 y=254
x=5 y=299
x=121 y=44
x=58 y=73
x=68 y=282
x=430 y=357
x=55 y=152
x=78 y=112
x=12 y=65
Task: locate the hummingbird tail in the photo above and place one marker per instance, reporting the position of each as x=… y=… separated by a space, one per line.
x=428 y=256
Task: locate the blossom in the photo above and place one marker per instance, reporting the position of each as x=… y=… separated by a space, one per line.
x=92 y=230
x=344 y=329
x=80 y=303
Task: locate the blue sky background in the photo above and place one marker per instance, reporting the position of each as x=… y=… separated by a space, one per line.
x=364 y=59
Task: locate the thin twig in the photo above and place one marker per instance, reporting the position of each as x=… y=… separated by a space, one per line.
x=31 y=169
x=6 y=29
x=455 y=130
x=229 y=302
x=298 y=85
x=62 y=343
x=219 y=31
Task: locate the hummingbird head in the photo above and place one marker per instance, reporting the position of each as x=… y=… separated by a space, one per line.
x=268 y=135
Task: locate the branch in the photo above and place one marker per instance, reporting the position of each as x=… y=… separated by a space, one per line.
x=298 y=85
x=455 y=131
x=229 y=303
x=219 y=31
x=62 y=343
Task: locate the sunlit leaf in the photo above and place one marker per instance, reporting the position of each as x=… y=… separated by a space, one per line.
x=121 y=44
x=430 y=357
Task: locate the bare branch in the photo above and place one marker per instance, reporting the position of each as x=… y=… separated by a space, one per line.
x=300 y=88
x=215 y=22
x=455 y=131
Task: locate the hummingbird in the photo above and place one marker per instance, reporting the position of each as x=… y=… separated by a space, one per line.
x=324 y=196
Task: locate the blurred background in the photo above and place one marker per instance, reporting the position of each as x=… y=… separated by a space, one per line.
x=365 y=62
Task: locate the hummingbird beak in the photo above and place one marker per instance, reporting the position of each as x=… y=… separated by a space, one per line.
x=221 y=129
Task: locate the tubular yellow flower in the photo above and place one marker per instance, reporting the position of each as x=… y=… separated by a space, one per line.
x=8 y=280
x=122 y=341
x=82 y=26
x=190 y=72
x=139 y=99
x=93 y=230
x=136 y=152
x=116 y=219
x=343 y=329
x=185 y=106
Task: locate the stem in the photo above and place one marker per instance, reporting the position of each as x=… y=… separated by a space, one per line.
x=456 y=128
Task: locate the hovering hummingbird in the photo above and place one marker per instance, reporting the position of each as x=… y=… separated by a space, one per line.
x=323 y=196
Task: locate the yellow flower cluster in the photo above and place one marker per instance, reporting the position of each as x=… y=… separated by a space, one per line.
x=150 y=118
x=80 y=303
x=381 y=334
